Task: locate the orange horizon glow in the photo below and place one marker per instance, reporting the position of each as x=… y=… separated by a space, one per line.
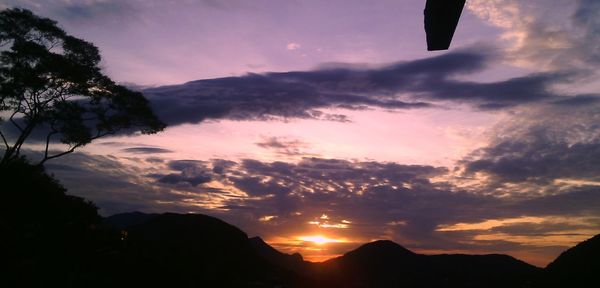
x=320 y=240
x=312 y=247
x=320 y=258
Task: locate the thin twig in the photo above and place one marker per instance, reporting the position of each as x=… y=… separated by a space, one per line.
x=15 y=122
x=98 y=135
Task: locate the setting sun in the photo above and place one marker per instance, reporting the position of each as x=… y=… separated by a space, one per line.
x=319 y=240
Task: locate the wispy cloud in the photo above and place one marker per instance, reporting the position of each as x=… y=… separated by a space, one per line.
x=285 y=146
x=293 y=46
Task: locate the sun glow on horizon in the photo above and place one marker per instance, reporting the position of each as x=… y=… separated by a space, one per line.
x=320 y=240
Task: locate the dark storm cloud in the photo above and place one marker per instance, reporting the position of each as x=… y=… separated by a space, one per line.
x=146 y=150
x=405 y=85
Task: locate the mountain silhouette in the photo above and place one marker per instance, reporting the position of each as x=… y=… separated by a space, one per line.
x=124 y=220
x=190 y=244
x=491 y=270
x=579 y=266
x=377 y=264
x=293 y=262
x=386 y=264
x=192 y=250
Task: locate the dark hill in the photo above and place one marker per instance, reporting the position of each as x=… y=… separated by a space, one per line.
x=380 y=249
x=47 y=235
x=579 y=266
x=492 y=270
x=292 y=262
x=124 y=220
x=381 y=263
x=387 y=264
x=192 y=250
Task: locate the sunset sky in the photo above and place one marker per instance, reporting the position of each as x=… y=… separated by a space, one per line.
x=322 y=125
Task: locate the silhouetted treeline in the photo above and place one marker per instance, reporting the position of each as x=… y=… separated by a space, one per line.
x=47 y=235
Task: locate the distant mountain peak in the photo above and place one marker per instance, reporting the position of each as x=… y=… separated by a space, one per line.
x=381 y=247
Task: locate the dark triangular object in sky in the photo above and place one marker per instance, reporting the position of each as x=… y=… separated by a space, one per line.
x=441 y=18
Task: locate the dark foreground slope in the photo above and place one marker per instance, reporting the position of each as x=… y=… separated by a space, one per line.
x=292 y=262
x=579 y=266
x=193 y=250
x=46 y=236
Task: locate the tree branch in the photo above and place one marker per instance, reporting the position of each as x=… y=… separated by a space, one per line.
x=5 y=141
x=54 y=131
x=46 y=158
x=12 y=120
x=24 y=135
x=71 y=149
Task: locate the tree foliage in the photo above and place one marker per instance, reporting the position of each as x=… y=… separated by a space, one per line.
x=51 y=83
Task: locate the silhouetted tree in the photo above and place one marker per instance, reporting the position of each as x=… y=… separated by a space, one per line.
x=51 y=81
x=48 y=237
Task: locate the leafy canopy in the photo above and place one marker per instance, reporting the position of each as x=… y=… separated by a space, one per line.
x=50 y=82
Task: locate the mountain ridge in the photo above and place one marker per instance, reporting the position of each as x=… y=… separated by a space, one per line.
x=381 y=263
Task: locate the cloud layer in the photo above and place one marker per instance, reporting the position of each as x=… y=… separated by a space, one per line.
x=414 y=84
x=358 y=200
